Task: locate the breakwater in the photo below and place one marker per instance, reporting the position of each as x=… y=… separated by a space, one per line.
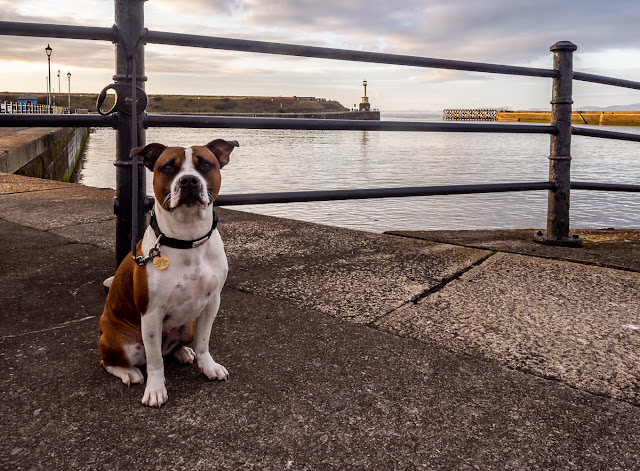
x=50 y=153
x=628 y=118
x=349 y=115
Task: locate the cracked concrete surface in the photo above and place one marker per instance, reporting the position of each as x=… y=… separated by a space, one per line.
x=547 y=317
x=486 y=359
x=354 y=275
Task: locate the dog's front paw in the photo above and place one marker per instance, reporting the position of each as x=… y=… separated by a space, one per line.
x=155 y=394
x=212 y=369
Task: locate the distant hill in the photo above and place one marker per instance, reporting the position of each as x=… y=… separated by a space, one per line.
x=199 y=104
x=631 y=107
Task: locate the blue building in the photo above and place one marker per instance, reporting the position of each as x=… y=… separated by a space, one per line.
x=26 y=103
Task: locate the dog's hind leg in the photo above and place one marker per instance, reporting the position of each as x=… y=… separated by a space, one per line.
x=183 y=353
x=120 y=360
x=127 y=375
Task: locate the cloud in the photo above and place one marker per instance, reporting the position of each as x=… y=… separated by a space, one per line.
x=501 y=31
x=69 y=12
x=66 y=53
x=442 y=75
x=495 y=31
x=179 y=61
x=206 y=7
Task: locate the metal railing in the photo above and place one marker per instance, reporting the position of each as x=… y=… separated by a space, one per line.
x=11 y=107
x=130 y=36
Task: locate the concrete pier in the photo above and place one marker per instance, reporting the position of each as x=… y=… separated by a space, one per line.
x=346 y=349
x=50 y=153
x=349 y=115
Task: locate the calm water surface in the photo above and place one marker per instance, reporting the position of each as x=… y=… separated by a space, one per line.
x=289 y=160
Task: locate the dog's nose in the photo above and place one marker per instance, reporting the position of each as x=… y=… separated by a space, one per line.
x=188 y=181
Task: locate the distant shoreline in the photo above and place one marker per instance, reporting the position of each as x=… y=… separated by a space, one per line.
x=190 y=104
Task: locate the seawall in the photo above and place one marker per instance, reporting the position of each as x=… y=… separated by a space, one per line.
x=351 y=115
x=628 y=118
x=50 y=153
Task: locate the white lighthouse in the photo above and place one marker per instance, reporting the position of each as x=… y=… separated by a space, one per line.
x=364 y=104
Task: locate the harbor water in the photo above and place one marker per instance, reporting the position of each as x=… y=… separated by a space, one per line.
x=290 y=160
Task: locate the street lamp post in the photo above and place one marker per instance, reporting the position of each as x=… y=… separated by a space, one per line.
x=69 y=77
x=48 y=51
x=59 y=88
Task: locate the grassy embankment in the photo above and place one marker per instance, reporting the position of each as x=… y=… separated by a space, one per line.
x=199 y=104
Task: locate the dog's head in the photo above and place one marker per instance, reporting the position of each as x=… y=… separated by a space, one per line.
x=186 y=177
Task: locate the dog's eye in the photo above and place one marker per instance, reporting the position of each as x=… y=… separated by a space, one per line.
x=168 y=168
x=204 y=165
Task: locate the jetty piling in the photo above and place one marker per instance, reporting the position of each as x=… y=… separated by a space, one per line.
x=477 y=114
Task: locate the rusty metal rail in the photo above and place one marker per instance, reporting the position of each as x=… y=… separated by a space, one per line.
x=130 y=36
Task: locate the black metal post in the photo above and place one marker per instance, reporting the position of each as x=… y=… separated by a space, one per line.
x=48 y=50
x=129 y=16
x=560 y=155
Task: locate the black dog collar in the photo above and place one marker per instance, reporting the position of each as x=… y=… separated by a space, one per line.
x=178 y=243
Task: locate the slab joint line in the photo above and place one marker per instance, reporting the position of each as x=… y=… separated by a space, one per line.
x=434 y=289
x=49 y=329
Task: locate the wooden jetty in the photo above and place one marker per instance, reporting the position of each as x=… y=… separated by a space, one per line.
x=478 y=114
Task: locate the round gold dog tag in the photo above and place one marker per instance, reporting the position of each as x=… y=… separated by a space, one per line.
x=161 y=262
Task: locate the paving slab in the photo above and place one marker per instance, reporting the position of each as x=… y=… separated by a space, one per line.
x=50 y=283
x=101 y=233
x=306 y=392
x=10 y=184
x=58 y=207
x=564 y=321
x=617 y=248
x=309 y=391
x=350 y=274
x=16 y=238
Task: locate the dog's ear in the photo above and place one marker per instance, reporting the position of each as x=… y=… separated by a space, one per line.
x=222 y=150
x=149 y=153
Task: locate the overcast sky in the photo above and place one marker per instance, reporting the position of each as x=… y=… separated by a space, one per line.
x=517 y=32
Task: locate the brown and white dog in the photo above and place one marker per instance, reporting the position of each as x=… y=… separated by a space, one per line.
x=157 y=308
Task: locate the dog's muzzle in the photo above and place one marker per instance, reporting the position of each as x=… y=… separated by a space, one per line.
x=190 y=191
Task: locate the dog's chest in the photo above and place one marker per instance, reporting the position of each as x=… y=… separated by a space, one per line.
x=190 y=284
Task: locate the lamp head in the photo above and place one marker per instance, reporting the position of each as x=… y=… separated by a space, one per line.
x=48 y=50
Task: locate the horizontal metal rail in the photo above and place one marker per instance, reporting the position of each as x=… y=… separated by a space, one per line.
x=620 y=136
x=244 y=45
x=153 y=120
x=11 y=28
x=604 y=187
x=606 y=80
x=335 y=195
x=62 y=120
